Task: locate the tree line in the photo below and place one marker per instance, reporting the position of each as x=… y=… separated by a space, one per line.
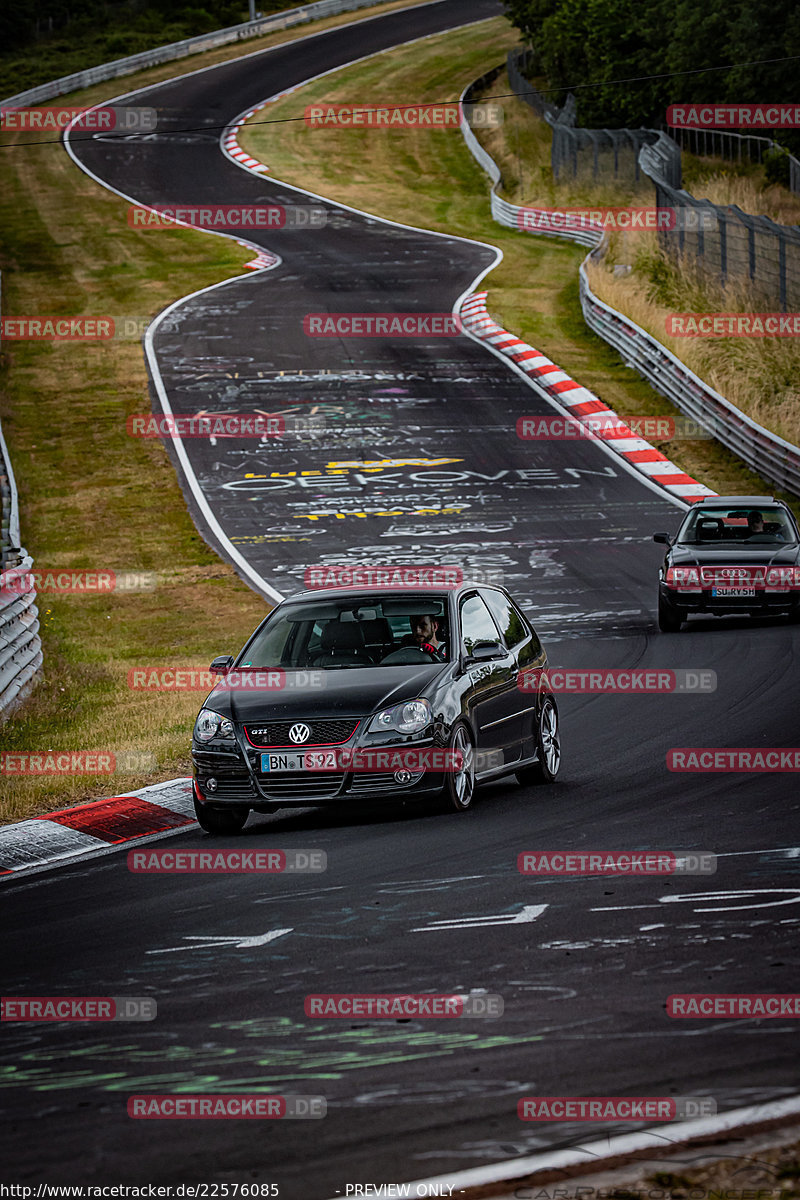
x=685 y=52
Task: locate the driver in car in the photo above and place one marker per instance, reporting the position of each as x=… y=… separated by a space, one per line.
x=756 y=527
x=425 y=636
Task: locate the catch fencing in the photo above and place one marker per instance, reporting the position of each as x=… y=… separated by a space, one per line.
x=587 y=153
x=192 y=45
x=735 y=147
x=729 y=244
x=763 y=451
x=737 y=246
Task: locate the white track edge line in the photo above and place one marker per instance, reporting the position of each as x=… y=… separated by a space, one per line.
x=259 y=582
x=594 y=1153
x=469 y=291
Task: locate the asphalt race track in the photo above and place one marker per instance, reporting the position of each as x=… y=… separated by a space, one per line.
x=586 y=978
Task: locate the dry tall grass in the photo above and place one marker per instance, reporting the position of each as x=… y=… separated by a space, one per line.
x=759 y=375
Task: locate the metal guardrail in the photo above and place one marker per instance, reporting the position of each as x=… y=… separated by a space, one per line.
x=192 y=45
x=765 y=452
x=20 y=644
x=770 y=455
x=510 y=215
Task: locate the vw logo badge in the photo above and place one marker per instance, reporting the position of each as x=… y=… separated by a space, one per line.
x=299 y=733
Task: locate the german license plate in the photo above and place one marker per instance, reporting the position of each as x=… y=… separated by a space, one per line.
x=278 y=761
x=733 y=591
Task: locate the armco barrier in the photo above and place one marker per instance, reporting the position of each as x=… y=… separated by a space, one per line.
x=20 y=645
x=193 y=45
x=503 y=212
x=773 y=458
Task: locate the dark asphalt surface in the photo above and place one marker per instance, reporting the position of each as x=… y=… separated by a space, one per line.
x=585 y=983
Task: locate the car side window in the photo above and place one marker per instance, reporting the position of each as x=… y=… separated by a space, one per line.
x=513 y=625
x=476 y=623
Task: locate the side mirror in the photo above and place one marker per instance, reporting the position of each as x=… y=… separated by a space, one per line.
x=222 y=664
x=663 y=538
x=485 y=652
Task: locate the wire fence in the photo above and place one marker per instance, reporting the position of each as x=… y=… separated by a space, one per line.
x=736 y=147
x=726 y=243
x=731 y=245
x=588 y=153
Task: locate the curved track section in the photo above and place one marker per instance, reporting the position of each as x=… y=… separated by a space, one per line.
x=440 y=414
x=405 y=901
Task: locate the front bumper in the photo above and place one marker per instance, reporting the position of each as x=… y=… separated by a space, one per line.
x=763 y=603
x=235 y=785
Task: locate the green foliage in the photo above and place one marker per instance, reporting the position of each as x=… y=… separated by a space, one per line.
x=58 y=37
x=601 y=42
x=776 y=166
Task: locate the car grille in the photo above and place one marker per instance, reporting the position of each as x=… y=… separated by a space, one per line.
x=323 y=732
x=301 y=785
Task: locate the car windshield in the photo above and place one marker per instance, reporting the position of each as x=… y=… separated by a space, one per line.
x=353 y=632
x=765 y=525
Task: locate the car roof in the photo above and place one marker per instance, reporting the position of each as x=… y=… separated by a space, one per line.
x=728 y=501
x=345 y=593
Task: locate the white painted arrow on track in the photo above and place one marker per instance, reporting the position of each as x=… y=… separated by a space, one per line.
x=529 y=913
x=241 y=943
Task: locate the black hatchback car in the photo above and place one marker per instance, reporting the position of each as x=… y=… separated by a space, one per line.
x=365 y=694
x=732 y=554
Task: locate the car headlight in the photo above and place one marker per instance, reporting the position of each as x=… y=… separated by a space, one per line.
x=403 y=718
x=210 y=724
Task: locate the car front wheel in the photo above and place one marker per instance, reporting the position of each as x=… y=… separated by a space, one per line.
x=223 y=821
x=548 y=747
x=459 y=787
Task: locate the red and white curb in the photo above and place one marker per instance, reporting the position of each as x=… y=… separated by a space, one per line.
x=230 y=142
x=96 y=828
x=230 y=139
x=580 y=403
